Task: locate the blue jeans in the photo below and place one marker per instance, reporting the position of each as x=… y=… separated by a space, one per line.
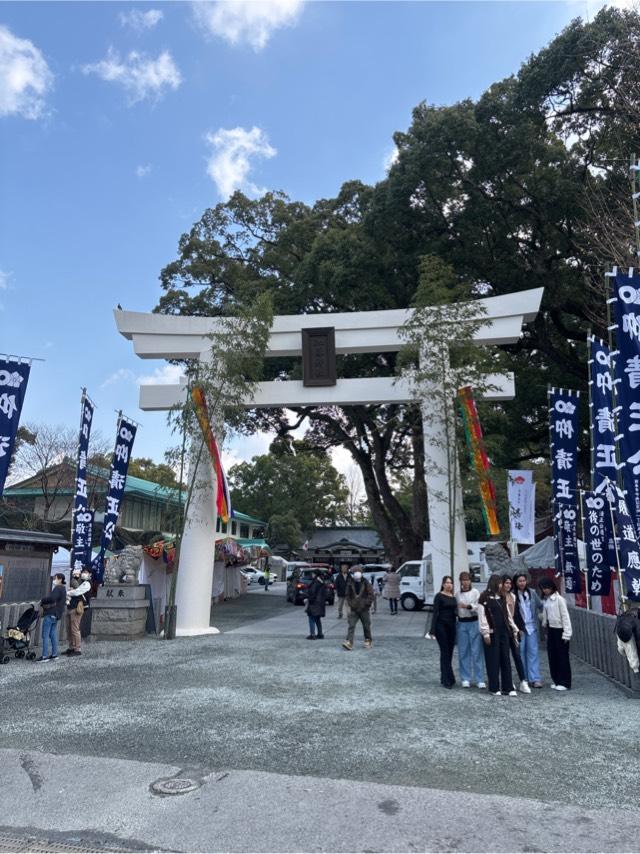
x=49 y=633
x=315 y=624
x=530 y=656
x=470 y=656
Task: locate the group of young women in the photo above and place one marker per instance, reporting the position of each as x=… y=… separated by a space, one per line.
x=504 y=621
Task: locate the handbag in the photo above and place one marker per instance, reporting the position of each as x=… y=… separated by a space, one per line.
x=80 y=608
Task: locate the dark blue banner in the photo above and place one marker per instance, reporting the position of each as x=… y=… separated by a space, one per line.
x=115 y=491
x=81 y=547
x=563 y=427
x=597 y=541
x=626 y=302
x=604 y=440
x=14 y=376
x=602 y=420
x=628 y=547
x=82 y=536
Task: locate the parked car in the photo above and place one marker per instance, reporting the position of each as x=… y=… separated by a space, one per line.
x=253 y=575
x=299 y=582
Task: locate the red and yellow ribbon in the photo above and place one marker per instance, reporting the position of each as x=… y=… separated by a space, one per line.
x=223 y=498
x=479 y=458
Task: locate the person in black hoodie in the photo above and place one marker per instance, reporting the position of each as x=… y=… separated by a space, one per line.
x=341 y=580
x=316 y=605
x=53 y=610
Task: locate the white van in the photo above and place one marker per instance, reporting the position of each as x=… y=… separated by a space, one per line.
x=416 y=584
x=296 y=564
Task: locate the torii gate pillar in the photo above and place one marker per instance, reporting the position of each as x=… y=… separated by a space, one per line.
x=197 y=550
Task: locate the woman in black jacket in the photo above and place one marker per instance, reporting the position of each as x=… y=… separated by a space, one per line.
x=316 y=606
x=443 y=629
x=52 y=610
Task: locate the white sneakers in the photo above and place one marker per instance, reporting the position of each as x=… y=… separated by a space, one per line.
x=466 y=684
x=513 y=693
x=496 y=693
x=481 y=685
x=559 y=687
x=524 y=687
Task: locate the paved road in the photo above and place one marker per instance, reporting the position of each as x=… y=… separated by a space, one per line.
x=277 y=729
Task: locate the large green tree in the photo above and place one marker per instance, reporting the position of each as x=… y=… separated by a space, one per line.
x=291 y=481
x=508 y=190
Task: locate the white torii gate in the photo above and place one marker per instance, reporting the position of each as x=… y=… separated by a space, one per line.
x=161 y=336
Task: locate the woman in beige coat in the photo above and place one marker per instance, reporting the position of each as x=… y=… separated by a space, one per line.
x=391 y=590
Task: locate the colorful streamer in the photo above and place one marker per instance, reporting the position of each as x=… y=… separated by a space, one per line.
x=223 y=498
x=479 y=458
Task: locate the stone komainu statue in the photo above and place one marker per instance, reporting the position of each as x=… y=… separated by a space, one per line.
x=124 y=567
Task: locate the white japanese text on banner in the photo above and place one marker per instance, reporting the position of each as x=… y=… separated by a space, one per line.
x=563 y=426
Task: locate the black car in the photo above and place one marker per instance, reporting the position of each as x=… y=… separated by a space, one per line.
x=299 y=582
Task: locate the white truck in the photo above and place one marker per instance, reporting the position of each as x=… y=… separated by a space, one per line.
x=416 y=576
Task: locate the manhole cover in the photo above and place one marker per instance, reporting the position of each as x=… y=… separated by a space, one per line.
x=175 y=786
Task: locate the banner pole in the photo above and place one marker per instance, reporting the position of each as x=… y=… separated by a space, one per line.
x=73 y=510
x=623 y=598
x=584 y=541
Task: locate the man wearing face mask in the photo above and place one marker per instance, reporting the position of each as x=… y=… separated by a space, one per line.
x=359 y=596
x=77 y=602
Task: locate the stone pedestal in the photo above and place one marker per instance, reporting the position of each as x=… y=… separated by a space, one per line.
x=119 y=612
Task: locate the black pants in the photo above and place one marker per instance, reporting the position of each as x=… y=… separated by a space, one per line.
x=498 y=661
x=446 y=637
x=393 y=605
x=558 y=652
x=517 y=658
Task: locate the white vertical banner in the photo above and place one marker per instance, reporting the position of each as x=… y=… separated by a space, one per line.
x=521 y=493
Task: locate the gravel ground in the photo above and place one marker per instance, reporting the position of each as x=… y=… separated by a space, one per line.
x=288 y=706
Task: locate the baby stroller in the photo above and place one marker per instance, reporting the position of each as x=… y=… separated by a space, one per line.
x=18 y=637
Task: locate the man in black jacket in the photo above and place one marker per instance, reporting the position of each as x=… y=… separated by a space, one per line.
x=53 y=610
x=341 y=588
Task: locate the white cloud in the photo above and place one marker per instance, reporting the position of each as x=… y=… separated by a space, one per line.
x=246 y=21
x=139 y=75
x=230 y=163
x=592 y=7
x=118 y=376
x=5 y=279
x=140 y=21
x=143 y=171
x=166 y=375
x=390 y=158
x=25 y=77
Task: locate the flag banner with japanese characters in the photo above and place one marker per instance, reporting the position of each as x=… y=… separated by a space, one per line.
x=80 y=545
x=14 y=376
x=82 y=533
x=604 y=463
x=628 y=546
x=563 y=428
x=115 y=491
x=602 y=423
x=521 y=493
x=597 y=541
x=626 y=302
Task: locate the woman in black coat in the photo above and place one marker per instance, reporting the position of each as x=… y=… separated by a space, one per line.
x=443 y=629
x=316 y=606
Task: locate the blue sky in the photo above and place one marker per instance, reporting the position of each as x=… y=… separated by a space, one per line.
x=121 y=122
